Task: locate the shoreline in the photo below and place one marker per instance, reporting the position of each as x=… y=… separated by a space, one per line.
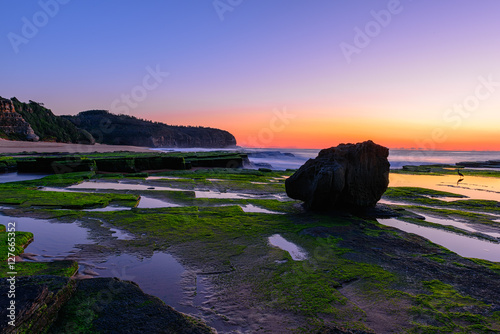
x=11 y=146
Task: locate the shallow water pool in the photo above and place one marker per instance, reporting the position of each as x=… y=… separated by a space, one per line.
x=460 y=244
x=15 y=177
x=474 y=187
x=297 y=253
x=159 y=274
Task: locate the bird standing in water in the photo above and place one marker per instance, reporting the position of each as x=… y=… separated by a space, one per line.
x=461 y=177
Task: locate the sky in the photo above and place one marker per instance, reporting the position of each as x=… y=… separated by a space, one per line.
x=275 y=73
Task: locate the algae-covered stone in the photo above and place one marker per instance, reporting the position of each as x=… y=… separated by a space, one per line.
x=108 y=305
x=37 y=302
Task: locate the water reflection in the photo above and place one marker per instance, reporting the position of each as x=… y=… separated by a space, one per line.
x=118 y=186
x=159 y=274
x=252 y=208
x=475 y=228
x=460 y=244
x=15 y=177
x=153 y=203
x=297 y=253
x=475 y=187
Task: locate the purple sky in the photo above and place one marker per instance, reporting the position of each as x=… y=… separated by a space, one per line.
x=232 y=64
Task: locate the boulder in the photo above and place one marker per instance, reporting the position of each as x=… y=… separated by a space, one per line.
x=349 y=176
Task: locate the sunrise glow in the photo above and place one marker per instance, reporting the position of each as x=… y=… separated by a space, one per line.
x=345 y=72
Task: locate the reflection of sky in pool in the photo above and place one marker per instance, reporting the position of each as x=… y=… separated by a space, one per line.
x=14 y=177
x=474 y=187
x=460 y=244
x=159 y=275
x=491 y=231
x=297 y=253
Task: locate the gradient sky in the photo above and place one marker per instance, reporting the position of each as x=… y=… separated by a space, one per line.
x=272 y=72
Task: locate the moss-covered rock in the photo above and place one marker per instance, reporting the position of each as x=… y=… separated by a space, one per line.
x=108 y=305
x=37 y=300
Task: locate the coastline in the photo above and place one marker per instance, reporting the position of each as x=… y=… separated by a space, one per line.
x=11 y=146
x=218 y=222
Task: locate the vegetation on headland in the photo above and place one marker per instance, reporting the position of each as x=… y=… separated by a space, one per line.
x=129 y=130
x=34 y=120
x=50 y=127
x=358 y=275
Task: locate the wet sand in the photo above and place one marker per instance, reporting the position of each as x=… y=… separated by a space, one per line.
x=9 y=146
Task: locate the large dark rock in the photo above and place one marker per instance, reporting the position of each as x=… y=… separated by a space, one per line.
x=350 y=176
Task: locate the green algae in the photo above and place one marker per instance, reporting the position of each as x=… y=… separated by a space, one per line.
x=74 y=200
x=56 y=268
x=228 y=174
x=27 y=194
x=435 y=257
x=12 y=243
x=449 y=311
x=230 y=244
x=495 y=266
x=311 y=287
x=7 y=163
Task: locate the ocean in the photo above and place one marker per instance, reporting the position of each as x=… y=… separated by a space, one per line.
x=289 y=158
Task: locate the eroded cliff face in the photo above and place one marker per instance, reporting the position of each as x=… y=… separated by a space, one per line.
x=12 y=124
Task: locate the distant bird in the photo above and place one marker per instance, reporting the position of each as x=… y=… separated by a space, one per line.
x=461 y=177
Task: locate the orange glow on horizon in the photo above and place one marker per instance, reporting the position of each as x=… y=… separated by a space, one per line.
x=257 y=129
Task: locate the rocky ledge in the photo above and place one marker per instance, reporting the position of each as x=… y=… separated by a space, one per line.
x=55 y=304
x=109 y=305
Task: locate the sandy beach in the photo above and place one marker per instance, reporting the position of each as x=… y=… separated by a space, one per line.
x=9 y=146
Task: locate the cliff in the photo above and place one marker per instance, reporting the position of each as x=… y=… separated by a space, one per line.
x=13 y=125
x=31 y=121
x=50 y=127
x=113 y=129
